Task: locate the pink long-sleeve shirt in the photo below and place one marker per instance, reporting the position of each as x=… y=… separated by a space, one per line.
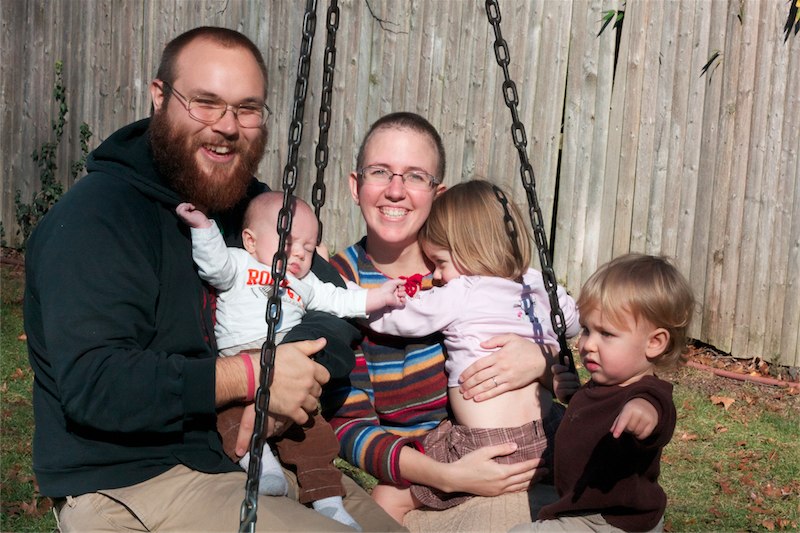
x=471 y=309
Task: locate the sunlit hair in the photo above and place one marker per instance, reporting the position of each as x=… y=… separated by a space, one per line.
x=403 y=120
x=647 y=288
x=222 y=36
x=468 y=219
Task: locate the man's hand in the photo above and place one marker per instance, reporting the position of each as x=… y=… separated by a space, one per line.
x=275 y=426
x=638 y=417
x=296 y=387
x=297 y=380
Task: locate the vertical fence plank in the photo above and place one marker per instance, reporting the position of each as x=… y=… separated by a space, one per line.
x=757 y=220
x=743 y=36
x=789 y=244
x=679 y=186
x=664 y=203
x=636 y=15
x=616 y=138
x=641 y=165
x=727 y=76
x=687 y=132
x=577 y=199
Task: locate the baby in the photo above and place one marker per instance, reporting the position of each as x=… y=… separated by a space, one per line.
x=634 y=313
x=243 y=280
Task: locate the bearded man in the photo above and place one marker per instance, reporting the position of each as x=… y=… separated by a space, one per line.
x=120 y=327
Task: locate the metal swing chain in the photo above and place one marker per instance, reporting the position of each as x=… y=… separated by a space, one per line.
x=248 y=513
x=526 y=172
x=321 y=159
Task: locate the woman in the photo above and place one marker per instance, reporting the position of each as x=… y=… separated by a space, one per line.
x=397 y=392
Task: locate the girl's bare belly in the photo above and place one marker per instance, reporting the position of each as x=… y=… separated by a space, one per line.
x=510 y=409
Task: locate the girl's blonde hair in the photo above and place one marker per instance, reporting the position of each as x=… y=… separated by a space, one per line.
x=646 y=287
x=485 y=233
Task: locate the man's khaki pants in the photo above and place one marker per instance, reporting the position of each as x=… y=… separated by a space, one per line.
x=184 y=500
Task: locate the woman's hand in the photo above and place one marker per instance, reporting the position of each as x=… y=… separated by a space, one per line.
x=478 y=473
x=518 y=363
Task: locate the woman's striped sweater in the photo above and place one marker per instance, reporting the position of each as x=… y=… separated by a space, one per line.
x=396 y=393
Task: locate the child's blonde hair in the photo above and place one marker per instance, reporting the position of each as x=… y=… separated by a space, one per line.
x=469 y=220
x=649 y=288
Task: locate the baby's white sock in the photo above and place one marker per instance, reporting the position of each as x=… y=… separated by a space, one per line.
x=271 y=482
x=333 y=507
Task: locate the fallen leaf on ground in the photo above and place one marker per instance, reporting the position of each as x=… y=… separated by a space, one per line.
x=726 y=487
x=768 y=524
x=22 y=337
x=771 y=491
x=688 y=436
x=725 y=401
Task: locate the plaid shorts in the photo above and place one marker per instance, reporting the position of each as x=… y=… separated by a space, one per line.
x=449 y=442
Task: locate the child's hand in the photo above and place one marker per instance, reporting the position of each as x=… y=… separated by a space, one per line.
x=565 y=383
x=193 y=217
x=394 y=293
x=638 y=416
x=390 y=294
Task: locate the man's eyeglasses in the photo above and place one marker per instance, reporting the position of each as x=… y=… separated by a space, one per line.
x=210 y=110
x=412 y=179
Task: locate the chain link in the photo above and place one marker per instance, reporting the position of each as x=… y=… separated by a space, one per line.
x=248 y=513
x=321 y=160
x=526 y=172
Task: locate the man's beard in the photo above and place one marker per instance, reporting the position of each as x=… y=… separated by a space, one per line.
x=174 y=153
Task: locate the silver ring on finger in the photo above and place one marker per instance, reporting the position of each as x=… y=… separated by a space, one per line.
x=495 y=382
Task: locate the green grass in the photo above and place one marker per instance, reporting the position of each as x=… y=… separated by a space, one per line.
x=734 y=469
x=22 y=507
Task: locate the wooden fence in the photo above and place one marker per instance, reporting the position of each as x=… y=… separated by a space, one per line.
x=686 y=145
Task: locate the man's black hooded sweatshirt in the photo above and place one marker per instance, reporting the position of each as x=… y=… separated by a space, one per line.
x=120 y=330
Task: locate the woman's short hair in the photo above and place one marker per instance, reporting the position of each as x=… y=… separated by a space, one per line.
x=410 y=121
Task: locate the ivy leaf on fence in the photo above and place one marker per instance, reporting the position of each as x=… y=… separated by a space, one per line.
x=612 y=15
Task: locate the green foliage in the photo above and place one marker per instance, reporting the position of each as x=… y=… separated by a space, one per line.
x=615 y=16
x=51 y=189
